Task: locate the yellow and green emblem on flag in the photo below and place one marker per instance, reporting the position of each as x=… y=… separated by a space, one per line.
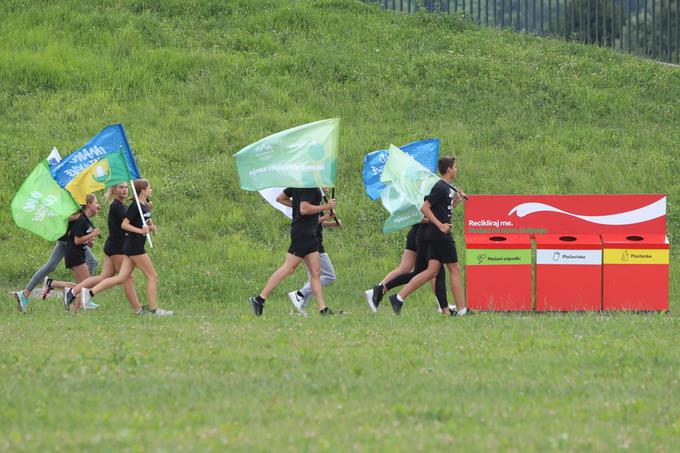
x=112 y=169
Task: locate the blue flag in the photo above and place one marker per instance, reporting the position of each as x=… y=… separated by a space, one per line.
x=425 y=151
x=106 y=143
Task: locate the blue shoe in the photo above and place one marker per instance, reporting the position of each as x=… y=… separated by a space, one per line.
x=22 y=301
x=89 y=305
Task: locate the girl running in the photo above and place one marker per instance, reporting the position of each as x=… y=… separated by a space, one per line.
x=42 y=274
x=135 y=256
x=113 y=249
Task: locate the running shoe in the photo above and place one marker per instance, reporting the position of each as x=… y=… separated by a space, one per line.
x=258 y=307
x=89 y=305
x=47 y=287
x=86 y=299
x=296 y=300
x=396 y=304
x=377 y=295
x=462 y=312
x=369 y=299
x=326 y=312
x=22 y=301
x=69 y=297
x=161 y=312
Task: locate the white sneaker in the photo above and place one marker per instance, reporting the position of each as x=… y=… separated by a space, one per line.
x=369 y=299
x=462 y=312
x=452 y=308
x=85 y=298
x=161 y=312
x=90 y=306
x=296 y=300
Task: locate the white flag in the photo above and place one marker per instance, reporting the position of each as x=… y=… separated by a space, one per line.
x=270 y=195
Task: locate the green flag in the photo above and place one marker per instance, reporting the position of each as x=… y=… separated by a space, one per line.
x=408 y=182
x=304 y=156
x=41 y=206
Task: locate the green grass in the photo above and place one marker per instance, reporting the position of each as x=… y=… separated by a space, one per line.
x=195 y=81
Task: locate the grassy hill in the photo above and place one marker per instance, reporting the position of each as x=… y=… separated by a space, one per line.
x=195 y=81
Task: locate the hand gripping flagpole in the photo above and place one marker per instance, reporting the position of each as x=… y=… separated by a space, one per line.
x=141 y=214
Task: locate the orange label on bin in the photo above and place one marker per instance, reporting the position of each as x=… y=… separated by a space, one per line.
x=636 y=256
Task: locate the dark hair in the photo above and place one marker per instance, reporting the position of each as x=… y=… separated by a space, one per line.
x=139 y=185
x=444 y=163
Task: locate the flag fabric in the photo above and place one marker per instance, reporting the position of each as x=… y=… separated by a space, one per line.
x=304 y=156
x=41 y=206
x=407 y=184
x=424 y=151
x=104 y=161
x=108 y=171
x=54 y=157
x=270 y=195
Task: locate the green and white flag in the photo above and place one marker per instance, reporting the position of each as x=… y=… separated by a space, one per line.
x=408 y=183
x=304 y=156
x=41 y=206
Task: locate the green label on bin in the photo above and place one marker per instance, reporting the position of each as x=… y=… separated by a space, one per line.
x=497 y=257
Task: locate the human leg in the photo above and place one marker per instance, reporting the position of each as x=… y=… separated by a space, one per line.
x=327 y=277
x=143 y=262
x=91 y=260
x=287 y=268
x=58 y=254
x=313 y=264
x=128 y=285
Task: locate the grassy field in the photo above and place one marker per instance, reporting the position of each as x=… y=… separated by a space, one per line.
x=195 y=81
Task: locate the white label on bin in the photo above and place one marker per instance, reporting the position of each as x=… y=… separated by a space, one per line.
x=565 y=257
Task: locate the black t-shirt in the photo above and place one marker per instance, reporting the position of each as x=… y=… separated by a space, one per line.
x=135 y=241
x=78 y=228
x=116 y=239
x=441 y=199
x=303 y=226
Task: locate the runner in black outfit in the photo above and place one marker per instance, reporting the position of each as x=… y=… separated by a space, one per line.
x=304 y=245
x=437 y=239
x=137 y=227
x=113 y=249
x=414 y=256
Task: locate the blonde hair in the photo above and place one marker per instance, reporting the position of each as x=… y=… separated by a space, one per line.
x=89 y=199
x=110 y=193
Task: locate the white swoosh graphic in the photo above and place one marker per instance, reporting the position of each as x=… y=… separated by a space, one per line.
x=643 y=214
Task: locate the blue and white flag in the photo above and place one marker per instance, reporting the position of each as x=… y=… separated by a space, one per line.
x=108 y=141
x=425 y=152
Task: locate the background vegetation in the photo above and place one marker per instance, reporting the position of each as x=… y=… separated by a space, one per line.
x=195 y=81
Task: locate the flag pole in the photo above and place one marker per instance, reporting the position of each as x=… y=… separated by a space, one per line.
x=141 y=214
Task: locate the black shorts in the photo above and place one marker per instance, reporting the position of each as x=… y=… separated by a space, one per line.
x=74 y=257
x=442 y=250
x=133 y=247
x=412 y=239
x=113 y=247
x=303 y=247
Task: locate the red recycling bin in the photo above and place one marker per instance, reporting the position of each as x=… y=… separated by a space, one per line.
x=498 y=272
x=568 y=272
x=635 y=273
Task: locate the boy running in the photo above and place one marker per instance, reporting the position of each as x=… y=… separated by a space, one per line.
x=300 y=298
x=438 y=240
x=304 y=245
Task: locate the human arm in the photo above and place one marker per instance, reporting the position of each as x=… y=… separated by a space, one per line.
x=284 y=200
x=307 y=208
x=426 y=209
x=458 y=198
x=127 y=226
x=80 y=236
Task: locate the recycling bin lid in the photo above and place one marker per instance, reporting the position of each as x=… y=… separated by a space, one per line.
x=635 y=241
x=498 y=241
x=568 y=241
